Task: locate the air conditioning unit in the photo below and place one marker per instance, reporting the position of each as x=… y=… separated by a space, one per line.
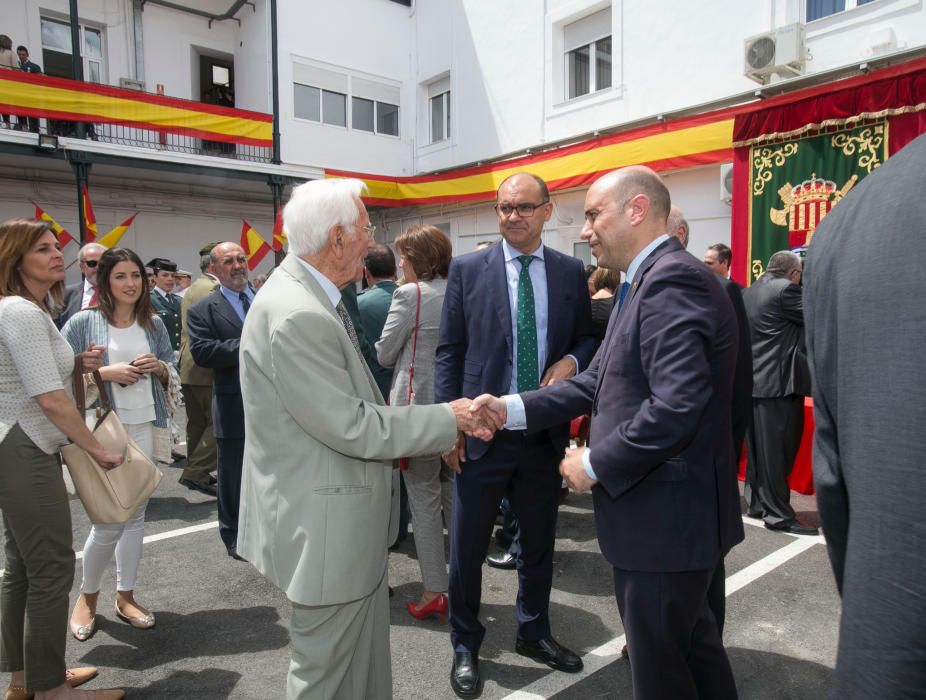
x=131 y=84
x=726 y=182
x=781 y=51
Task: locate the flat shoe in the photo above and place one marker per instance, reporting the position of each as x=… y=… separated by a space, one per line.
x=79 y=676
x=83 y=632
x=146 y=622
x=74 y=677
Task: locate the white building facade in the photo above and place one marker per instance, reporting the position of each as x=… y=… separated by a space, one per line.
x=399 y=89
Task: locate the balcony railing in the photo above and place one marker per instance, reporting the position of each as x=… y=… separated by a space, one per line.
x=42 y=103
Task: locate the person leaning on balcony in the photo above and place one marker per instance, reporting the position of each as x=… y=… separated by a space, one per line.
x=7 y=60
x=27 y=66
x=37 y=416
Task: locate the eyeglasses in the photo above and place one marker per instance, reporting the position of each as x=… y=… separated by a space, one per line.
x=91 y=263
x=524 y=210
x=370 y=230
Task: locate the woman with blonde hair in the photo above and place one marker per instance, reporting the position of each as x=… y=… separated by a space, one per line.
x=409 y=343
x=37 y=416
x=137 y=365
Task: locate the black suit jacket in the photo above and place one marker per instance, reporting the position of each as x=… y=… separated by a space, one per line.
x=775 y=309
x=660 y=391
x=72 y=298
x=214 y=329
x=475 y=346
x=742 y=378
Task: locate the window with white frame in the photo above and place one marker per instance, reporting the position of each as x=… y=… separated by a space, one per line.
x=587 y=48
x=439 y=109
x=374 y=107
x=56 y=50
x=817 y=9
x=321 y=95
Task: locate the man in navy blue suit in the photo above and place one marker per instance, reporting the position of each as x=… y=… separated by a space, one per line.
x=214 y=326
x=660 y=458
x=516 y=317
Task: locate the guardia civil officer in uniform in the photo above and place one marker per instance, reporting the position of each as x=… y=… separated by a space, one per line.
x=163 y=299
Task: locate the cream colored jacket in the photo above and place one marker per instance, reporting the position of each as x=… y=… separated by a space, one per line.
x=316 y=492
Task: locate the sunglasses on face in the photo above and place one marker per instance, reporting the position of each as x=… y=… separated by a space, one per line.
x=91 y=263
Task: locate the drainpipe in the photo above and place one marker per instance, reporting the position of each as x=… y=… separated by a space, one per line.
x=139 y=35
x=77 y=64
x=275 y=83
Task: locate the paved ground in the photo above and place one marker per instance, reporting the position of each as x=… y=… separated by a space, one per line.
x=222 y=629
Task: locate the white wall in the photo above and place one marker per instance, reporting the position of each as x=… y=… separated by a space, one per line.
x=368 y=39
x=252 y=59
x=173 y=41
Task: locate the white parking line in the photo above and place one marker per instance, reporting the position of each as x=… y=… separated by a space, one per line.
x=596 y=659
x=170 y=534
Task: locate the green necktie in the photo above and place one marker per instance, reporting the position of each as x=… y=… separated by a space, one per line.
x=528 y=371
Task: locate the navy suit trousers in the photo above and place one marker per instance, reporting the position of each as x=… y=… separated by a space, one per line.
x=672 y=636
x=526 y=468
x=231 y=459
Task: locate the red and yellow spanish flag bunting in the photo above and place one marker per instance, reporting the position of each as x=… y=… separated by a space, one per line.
x=111 y=239
x=279 y=235
x=89 y=218
x=255 y=247
x=63 y=236
x=45 y=96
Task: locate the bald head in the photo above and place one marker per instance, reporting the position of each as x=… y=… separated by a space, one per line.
x=625 y=210
x=636 y=180
x=230 y=264
x=677 y=225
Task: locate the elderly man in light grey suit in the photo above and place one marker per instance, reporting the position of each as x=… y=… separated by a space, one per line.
x=316 y=494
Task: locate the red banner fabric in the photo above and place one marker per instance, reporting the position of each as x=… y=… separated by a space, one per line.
x=884 y=91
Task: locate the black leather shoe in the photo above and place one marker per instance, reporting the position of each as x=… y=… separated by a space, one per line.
x=502 y=560
x=464 y=676
x=794 y=527
x=551 y=653
x=233 y=553
x=755 y=516
x=208 y=489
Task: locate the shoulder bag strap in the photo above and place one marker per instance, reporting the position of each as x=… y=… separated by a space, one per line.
x=80 y=394
x=411 y=369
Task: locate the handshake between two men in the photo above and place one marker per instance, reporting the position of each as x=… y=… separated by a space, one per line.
x=483 y=416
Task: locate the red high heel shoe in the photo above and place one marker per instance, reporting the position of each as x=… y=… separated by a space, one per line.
x=438 y=606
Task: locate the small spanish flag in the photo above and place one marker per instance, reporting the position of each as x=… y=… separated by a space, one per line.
x=111 y=239
x=89 y=218
x=63 y=236
x=255 y=247
x=279 y=235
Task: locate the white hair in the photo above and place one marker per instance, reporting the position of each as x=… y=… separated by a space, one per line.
x=315 y=207
x=87 y=248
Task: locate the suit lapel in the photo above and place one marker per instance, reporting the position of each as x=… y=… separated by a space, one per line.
x=555 y=280
x=305 y=278
x=497 y=277
x=224 y=309
x=612 y=332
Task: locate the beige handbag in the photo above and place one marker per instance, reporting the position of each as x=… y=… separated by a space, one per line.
x=109 y=495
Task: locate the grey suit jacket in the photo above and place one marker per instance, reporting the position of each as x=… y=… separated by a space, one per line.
x=775 y=309
x=316 y=491
x=866 y=327
x=394 y=348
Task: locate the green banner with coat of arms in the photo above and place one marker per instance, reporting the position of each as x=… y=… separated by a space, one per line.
x=794 y=184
